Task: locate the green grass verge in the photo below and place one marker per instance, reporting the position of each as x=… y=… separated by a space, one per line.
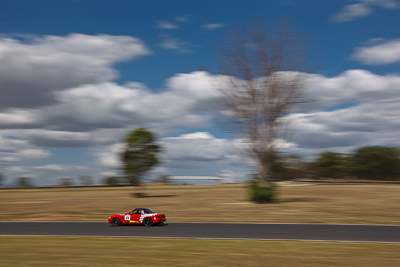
x=74 y=251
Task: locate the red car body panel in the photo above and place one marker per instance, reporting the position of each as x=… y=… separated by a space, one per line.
x=135 y=217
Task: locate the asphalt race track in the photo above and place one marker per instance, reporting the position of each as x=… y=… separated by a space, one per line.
x=368 y=233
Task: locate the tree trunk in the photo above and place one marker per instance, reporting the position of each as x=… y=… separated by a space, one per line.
x=264 y=170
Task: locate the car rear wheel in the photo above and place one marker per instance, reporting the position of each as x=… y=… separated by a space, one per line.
x=147 y=222
x=116 y=222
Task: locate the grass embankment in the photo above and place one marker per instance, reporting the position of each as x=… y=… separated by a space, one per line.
x=347 y=204
x=71 y=251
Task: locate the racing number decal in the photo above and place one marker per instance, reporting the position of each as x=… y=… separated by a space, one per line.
x=127 y=217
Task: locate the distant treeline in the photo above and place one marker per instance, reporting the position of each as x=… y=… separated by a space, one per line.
x=366 y=163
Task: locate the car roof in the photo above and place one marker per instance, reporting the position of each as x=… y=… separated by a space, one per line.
x=143 y=209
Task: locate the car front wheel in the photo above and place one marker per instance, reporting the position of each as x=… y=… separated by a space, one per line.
x=116 y=222
x=147 y=222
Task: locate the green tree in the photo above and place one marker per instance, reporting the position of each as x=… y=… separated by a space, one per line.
x=287 y=167
x=111 y=180
x=376 y=162
x=2 y=178
x=331 y=165
x=24 y=182
x=139 y=155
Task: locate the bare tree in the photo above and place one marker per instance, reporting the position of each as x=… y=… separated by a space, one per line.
x=261 y=81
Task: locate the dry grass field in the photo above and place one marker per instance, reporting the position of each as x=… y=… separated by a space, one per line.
x=74 y=251
x=330 y=204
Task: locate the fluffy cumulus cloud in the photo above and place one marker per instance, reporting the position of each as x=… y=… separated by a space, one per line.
x=58 y=92
x=385 y=52
x=344 y=130
x=363 y=8
x=352 y=86
x=108 y=156
x=15 y=150
x=353 y=109
x=194 y=152
x=357 y=108
x=184 y=102
x=34 y=67
x=198 y=147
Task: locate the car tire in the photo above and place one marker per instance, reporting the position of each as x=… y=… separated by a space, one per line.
x=147 y=222
x=116 y=222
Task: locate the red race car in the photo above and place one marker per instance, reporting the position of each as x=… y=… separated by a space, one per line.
x=144 y=216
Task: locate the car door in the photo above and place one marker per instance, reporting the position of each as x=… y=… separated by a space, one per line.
x=134 y=217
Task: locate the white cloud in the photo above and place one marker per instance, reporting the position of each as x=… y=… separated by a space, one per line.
x=355 y=108
x=384 y=3
x=201 y=148
x=83 y=110
x=61 y=168
x=182 y=19
x=43 y=137
x=171 y=43
x=51 y=138
x=16 y=117
x=166 y=25
x=51 y=167
x=32 y=69
x=363 y=8
x=352 y=12
x=187 y=151
x=15 y=150
x=212 y=26
x=16 y=169
x=198 y=135
x=344 y=130
x=101 y=114
x=108 y=156
x=352 y=86
x=384 y=53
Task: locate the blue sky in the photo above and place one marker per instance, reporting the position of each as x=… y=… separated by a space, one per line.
x=77 y=75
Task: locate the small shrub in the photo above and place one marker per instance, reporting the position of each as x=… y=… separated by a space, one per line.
x=165 y=179
x=65 y=182
x=24 y=182
x=111 y=181
x=261 y=194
